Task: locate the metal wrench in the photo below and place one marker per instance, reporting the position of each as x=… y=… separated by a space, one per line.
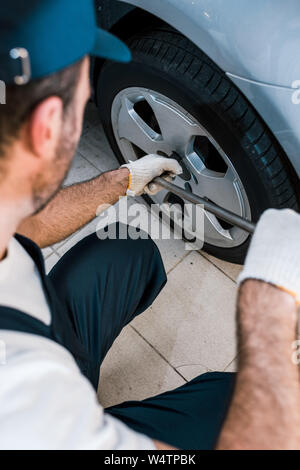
x=209 y=206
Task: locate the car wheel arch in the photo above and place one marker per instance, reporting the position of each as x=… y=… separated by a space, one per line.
x=143 y=19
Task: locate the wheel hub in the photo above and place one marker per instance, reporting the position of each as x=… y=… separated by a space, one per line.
x=145 y=122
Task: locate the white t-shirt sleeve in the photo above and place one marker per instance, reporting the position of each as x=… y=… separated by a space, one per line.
x=46 y=403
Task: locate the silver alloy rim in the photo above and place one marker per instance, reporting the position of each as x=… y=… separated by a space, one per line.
x=176 y=130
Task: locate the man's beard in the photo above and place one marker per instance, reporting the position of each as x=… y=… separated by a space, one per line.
x=48 y=185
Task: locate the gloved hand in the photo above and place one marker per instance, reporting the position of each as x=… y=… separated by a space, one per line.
x=144 y=170
x=274 y=253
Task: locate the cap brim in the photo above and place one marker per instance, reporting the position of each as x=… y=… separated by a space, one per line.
x=110 y=47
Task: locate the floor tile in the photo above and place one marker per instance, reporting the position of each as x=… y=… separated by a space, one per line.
x=190 y=371
x=231 y=270
x=232 y=367
x=172 y=252
x=51 y=261
x=193 y=319
x=94 y=147
x=132 y=370
x=81 y=170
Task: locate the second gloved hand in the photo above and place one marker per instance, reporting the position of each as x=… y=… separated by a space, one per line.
x=274 y=253
x=144 y=170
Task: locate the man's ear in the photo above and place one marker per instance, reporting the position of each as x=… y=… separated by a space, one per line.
x=45 y=127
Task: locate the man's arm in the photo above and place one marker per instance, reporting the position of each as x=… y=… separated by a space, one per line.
x=265 y=410
x=74 y=207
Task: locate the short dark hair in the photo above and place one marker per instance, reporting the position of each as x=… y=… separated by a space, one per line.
x=22 y=99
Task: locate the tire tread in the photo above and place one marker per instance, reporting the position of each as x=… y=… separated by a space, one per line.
x=179 y=55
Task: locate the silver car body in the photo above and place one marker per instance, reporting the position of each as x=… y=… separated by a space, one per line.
x=257 y=44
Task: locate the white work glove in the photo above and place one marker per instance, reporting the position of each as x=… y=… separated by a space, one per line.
x=144 y=170
x=274 y=253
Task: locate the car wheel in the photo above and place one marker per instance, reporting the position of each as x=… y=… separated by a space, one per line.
x=171 y=97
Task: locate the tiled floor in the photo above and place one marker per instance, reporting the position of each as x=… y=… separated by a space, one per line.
x=190 y=328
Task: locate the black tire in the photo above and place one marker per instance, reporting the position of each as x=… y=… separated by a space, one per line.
x=165 y=61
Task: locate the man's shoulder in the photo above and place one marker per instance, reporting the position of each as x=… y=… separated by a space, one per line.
x=46 y=403
x=20 y=349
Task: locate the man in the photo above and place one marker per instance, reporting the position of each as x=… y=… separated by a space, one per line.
x=57 y=329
